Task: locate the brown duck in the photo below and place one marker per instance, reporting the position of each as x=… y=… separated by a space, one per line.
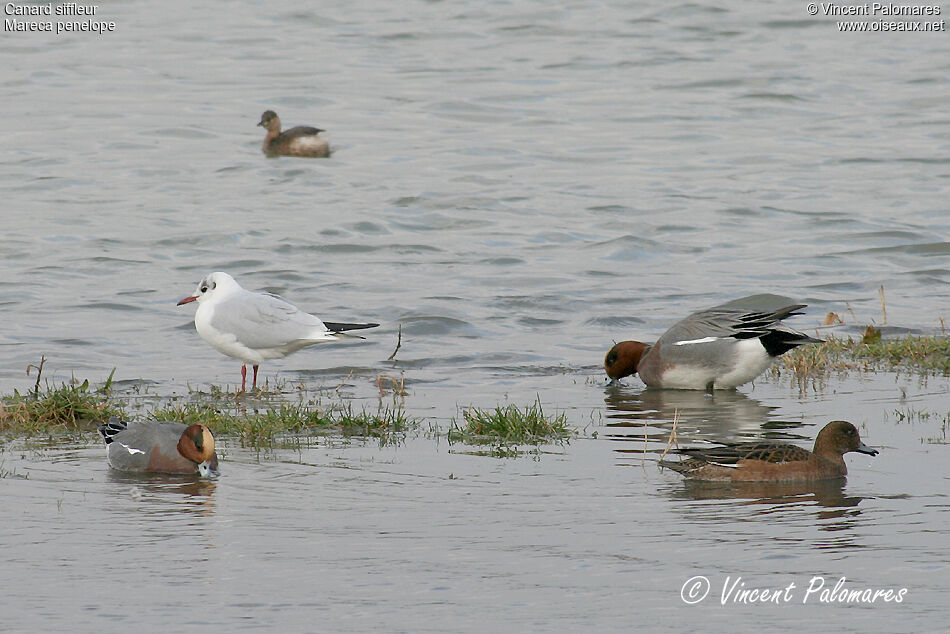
x=772 y=462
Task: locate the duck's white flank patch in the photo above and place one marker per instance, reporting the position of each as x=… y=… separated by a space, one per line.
x=688 y=377
x=131 y=450
x=703 y=340
x=750 y=361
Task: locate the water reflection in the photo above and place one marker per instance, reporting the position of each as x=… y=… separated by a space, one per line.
x=721 y=410
x=644 y=420
x=828 y=493
x=197 y=494
x=833 y=509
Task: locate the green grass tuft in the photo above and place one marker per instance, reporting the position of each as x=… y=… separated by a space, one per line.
x=77 y=406
x=917 y=353
x=68 y=407
x=509 y=425
x=260 y=429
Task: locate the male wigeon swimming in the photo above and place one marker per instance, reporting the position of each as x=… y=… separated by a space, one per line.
x=718 y=348
x=160 y=447
x=254 y=327
x=299 y=141
x=772 y=462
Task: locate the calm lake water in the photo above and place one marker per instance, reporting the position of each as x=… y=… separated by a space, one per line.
x=517 y=185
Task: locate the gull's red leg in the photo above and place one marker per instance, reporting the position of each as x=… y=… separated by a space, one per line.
x=255 y=377
x=243 y=377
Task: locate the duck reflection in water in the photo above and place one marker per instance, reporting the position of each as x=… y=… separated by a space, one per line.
x=834 y=513
x=826 y=493
x=631 y=415
x=186 y=493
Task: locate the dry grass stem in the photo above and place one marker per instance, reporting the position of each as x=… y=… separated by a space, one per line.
x=343 y=382
x=398 y=345
x=398 y=384
x=832 y=319
x=853 y=316
x=672 y=440
x=39 y=374
x=883 y=306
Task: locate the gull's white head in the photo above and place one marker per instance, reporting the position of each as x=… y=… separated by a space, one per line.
x=213 y=284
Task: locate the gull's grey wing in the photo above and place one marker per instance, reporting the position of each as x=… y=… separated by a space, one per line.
x=263 y=320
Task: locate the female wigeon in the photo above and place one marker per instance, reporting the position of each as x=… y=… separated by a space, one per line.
x=718 y=348
x=254 y=327
x=160 y=447
x=299 y=141
x=772 y=462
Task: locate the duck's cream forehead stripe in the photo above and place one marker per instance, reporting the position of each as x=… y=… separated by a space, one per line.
x=703 y=340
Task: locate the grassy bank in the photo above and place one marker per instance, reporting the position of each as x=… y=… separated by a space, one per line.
x=69 y=407
x=924 y=354
x=260 y=428
x=72 y=407
x=260 y=418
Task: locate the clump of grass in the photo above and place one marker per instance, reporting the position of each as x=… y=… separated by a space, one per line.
x=78 y=406
x=260 y=429
x=509 y=425
x=67 y=407
x=919 y=353
x=384 y=423
x=926 y=353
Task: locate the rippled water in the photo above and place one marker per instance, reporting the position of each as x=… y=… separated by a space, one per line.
x=517 y=185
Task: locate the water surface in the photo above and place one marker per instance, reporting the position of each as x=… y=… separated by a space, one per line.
x=517 y=185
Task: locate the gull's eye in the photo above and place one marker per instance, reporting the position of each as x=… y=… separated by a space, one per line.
x=204 y=289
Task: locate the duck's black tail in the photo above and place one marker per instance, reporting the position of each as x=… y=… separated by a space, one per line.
x=780 y=340
x=113 y=427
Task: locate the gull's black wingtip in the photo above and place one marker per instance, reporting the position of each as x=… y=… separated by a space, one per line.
x=341 y=327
